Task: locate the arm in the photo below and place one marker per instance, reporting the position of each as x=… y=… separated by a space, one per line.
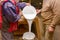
x=55 y=20
x=23 y=4
x=11 y=13
x=45 y=9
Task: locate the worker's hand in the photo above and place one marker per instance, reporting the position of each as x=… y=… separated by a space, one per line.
x=19 y=20
x=28 y=4
x=20 y=12
x=38 y=11
x=51 y=28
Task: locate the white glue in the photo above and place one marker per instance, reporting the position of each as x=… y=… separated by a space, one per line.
x=29 y=13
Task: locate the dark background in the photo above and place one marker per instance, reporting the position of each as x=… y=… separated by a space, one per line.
x=35 y=3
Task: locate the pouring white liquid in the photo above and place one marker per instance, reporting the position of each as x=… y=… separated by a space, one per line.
x=29 y=35
x=29 y=13
x=30 y=23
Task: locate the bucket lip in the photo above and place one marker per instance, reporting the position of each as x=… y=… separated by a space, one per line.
x=29 y=12
x=25 y=35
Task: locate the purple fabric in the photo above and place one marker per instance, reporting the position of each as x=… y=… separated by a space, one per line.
x=21 y=5
x=10 y=12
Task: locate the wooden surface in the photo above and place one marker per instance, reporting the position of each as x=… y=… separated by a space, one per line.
x=37 y=25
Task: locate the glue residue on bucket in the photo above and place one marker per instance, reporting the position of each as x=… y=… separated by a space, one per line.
x=28 y=36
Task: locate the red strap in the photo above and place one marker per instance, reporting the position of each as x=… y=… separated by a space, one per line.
x=13 y=26
x=0 y=16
